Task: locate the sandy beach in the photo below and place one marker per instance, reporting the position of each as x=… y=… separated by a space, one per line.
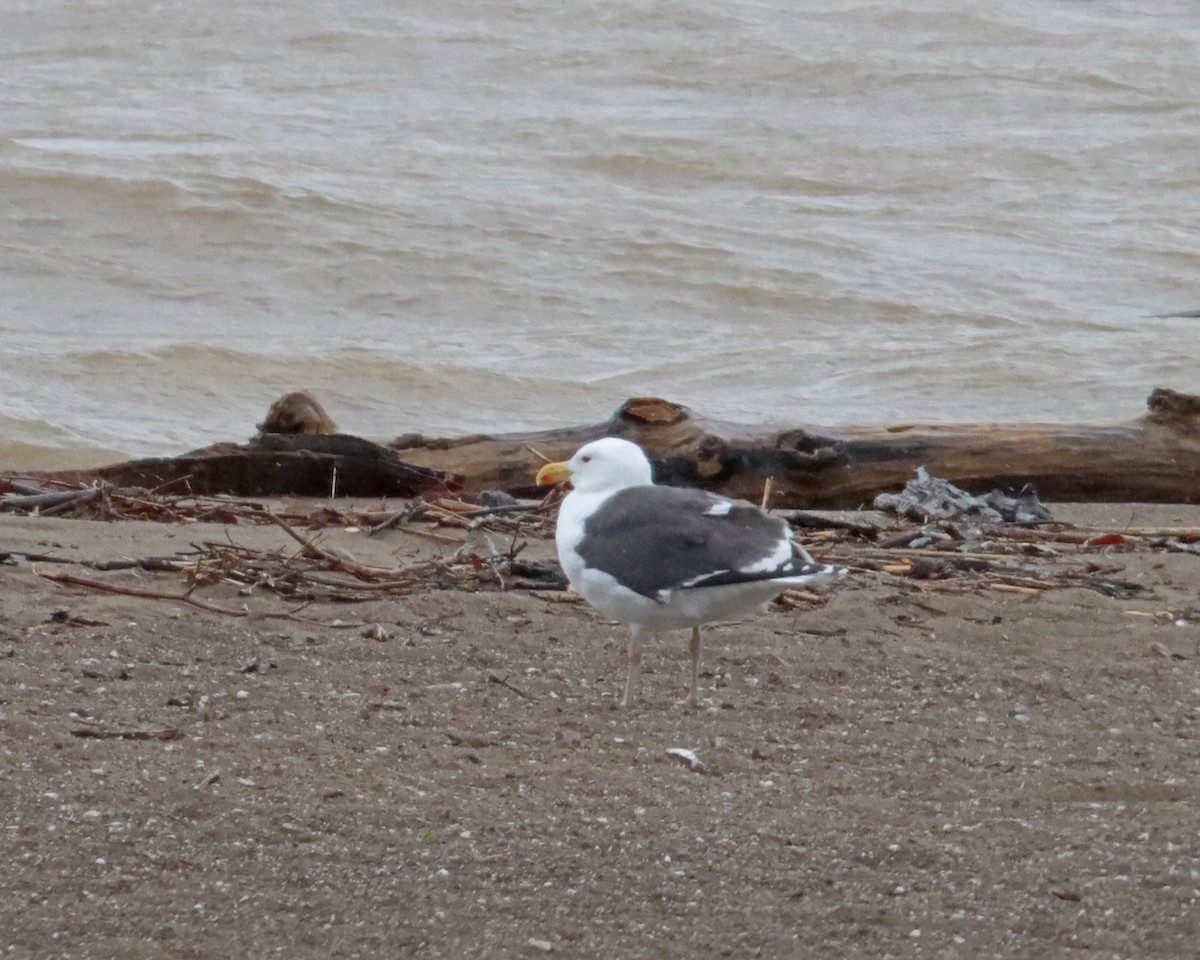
x=912 y=768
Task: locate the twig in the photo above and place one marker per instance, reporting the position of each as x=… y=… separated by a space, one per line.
x=154 y=564
x=89 y=733
x=526 y=514
x=556 y=596
x=50 y=503
x=170 y=483
x=44 y=557
x=444 y=516
x=312 y=550
x=899 y=553
x=503 y=681
x=811 y=521
x=186 y=598
x=1182 y=533
x=392 y=519
x=429 y=535
x=28 y=489
x=1010 y=588
x=378 y=586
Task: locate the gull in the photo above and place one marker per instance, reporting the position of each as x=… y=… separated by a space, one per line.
x=666 y=558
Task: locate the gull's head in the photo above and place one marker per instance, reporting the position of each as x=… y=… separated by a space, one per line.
x=601 y=466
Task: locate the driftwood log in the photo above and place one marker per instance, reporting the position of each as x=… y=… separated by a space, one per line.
x=275 y=464
x=1154 y=458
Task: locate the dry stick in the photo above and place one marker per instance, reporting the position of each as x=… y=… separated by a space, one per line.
x=1153 y=532
x=373 y=575
x=506 y=508
x=429 y=535
x=899 y=553
x=810 y=521
x=152 y=564
x=35 y=500
x=186 y=598
x=40 y=482
x=350 y=566
x=45 y=558
x=1023 y=591
x=552 y=500
x=457 y=506
x=1031 y=582
x=214 y=501
x=528 y=514
x=503 y=681
x=391 y=520
x=448 y=517
x=128 y=499
x=171 y=733
x=1071 y=535
x=358 y=586
x=29 y=489
x=556 y=596
x=170 y=483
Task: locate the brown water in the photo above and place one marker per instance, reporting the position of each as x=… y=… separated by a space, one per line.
x=454 y=216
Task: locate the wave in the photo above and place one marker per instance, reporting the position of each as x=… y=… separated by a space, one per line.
x=185 y=193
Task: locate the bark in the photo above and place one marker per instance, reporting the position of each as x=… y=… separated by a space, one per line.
x=1154 y=458
x=273 y=465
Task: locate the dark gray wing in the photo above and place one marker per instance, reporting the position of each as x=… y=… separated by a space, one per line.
x=652 y=539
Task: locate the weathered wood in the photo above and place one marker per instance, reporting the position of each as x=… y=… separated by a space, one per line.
x=273 y=465
x=1155 y=458
x=298 y=412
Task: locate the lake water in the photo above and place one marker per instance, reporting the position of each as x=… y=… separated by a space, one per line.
x=460 y=216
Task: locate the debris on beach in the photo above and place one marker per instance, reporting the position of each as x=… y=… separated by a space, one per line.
x=689 y=758
x=478 y=544
x=931 y=498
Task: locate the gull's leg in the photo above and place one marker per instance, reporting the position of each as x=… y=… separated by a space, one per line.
x=636 y=636
x=693 y=697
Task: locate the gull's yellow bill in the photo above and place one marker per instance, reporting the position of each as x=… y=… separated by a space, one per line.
x=553 y=473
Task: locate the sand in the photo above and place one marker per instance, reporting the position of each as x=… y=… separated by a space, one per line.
x=905 y=771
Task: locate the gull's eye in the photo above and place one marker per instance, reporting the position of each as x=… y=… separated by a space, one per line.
x=586 y=459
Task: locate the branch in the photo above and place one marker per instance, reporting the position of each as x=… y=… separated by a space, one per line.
x=185 y=598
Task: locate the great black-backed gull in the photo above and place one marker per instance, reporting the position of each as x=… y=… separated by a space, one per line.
x=663 y=558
